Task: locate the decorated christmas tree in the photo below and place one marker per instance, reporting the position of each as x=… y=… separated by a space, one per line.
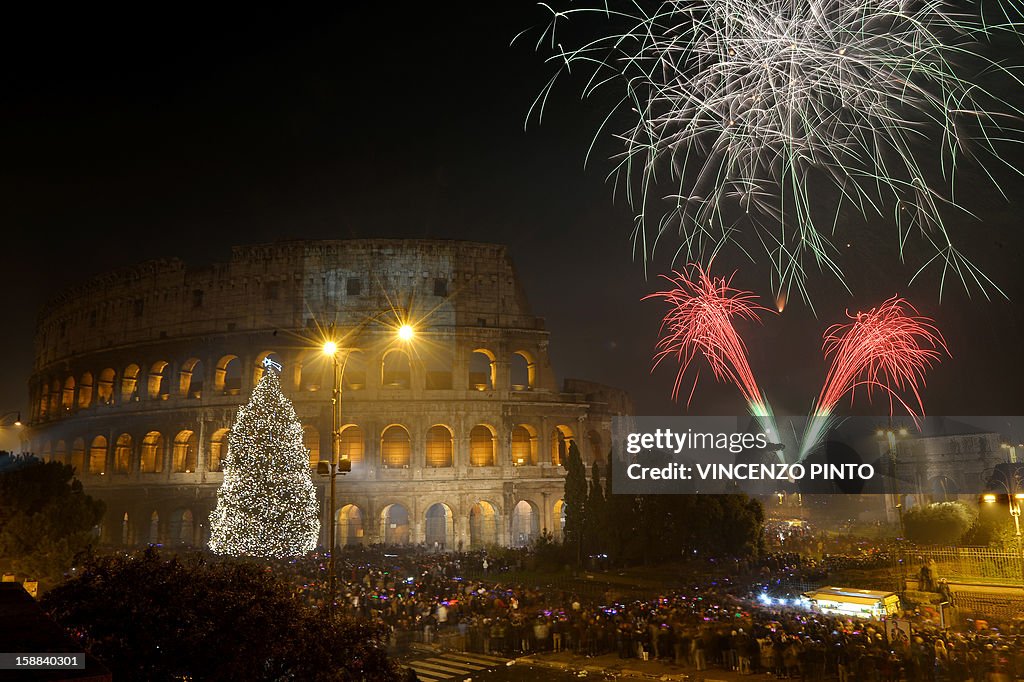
x=267 y=504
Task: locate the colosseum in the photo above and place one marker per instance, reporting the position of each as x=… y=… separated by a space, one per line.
x=456 y=438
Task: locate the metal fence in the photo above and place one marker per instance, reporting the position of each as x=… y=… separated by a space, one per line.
x=973 y=564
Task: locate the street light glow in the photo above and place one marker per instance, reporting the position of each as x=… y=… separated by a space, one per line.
x=330 y=348
x=406 y=332
x=988 y=497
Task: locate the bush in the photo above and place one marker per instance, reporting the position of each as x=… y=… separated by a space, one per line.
x=942 y=523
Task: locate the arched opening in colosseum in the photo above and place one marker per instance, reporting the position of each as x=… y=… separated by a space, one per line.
x=439 y=450
x=482 y=446
x=559 y=517
x=396 y=369
x=60 y=452
x=218 y=449
x=522 y=371
x=190 y=379
x=395 y=447
x=78 y=456
x=439 y=527
x=483 y=370
x=561 y=437
x=151 y=455
x=47 y=453
x=123 y=454
x=158 y=388
x=154 y=528
x=524 y=445
x=85 y=390
x=483 y=525
x=311 y=441
x=595 y=447
x=394 y=525
x=67 y=398
x=130 y=383
x=353 y=371
x=182 y=527
x=55 y=396
x=258 y=369
x=314 y=371
x=227 y=375
x=349 y=526
x=98 y=455
x=352 y=444
x=183 y=456
x=525 y=524
x=105 y=386
x=126 y=531
x=44 y=402
x=437 y=358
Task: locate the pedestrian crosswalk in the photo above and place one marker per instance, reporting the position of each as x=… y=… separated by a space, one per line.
x=454 y=666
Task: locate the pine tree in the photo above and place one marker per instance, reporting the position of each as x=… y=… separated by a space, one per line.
x=575 y=500
x=267 y=504
x=595 y=530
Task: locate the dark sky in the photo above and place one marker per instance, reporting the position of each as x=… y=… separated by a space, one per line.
x=126 y=137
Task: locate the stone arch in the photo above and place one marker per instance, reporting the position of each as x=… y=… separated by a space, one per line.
x=158 y=387
x=353 y=374
x=943 y=489
x=483 y=446
x=395 y=447
x=60 y=452
x=78 y=456
x=151 y=454
x=523 y=371
x=55 y=397
x=85 y=390
x=394 y=525
x=182 y=527
x=483 y=370
x=314 y=372
x=190 y=379
x=130 y=383
x=67 y=396
x=227 y=375
x=350 y=530
x=123 y=454
x=524 y=445
x=311 y=441
x=48 y=451
x=559 y=517
x=437 y=360
x=257 y=370
x=483 y=525
x=218 y=449
x=352 y=444
x=396 y=369
x=126 y=530
x=183 y=457
x=595 y=447
x=105 y=386
x=153 y=537
x=525 y=524
x=440 y=447
x=98 y=455
x=561 y=437
x=439 y=526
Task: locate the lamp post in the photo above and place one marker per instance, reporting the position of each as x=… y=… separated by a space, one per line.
x=890 y=434
x=17 y=424
x=338 y=466
x=1014 y=497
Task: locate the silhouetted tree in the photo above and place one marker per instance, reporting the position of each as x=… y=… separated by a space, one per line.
x=575 y=501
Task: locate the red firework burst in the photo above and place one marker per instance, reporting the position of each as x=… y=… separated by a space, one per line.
x=889 y=348
x=700 y=321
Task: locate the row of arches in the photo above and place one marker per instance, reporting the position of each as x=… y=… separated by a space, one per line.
x=308 y=371
x=152 y=452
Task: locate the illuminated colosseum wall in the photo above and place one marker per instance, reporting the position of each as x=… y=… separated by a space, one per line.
x=456 y=438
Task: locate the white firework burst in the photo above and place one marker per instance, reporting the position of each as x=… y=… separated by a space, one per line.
x=754 y=113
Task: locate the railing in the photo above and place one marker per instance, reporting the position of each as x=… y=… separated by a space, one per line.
x=970 y=564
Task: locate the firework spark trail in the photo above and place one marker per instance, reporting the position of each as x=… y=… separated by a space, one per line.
x=700 y=322
x=742 y=104
x=888 y=348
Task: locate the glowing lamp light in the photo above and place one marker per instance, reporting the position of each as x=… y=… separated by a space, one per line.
x=988 y=497
x=406 y=332
x=330 y=348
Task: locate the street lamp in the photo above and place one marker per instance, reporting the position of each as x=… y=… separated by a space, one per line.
x=17 y=424
x=890 y=434
x=338 y=466
x=1011 y=483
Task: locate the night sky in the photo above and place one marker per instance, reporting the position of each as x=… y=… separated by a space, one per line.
x=127 y=137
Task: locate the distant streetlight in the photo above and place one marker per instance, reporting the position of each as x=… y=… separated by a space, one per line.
x=338 y=466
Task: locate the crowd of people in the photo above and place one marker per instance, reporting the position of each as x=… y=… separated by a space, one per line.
x=430 y=597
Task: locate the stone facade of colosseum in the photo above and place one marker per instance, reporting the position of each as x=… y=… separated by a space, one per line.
x=455 y=437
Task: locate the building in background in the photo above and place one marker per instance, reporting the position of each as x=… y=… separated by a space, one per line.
x=456 y=438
